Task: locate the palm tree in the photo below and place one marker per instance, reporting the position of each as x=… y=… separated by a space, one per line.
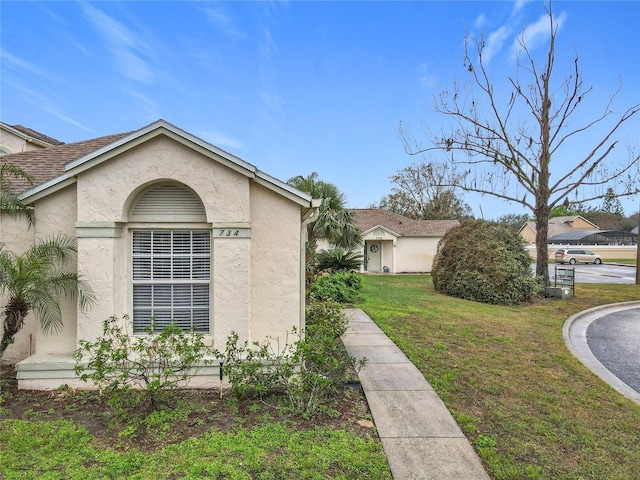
x=9 y=203
x=36 y=281
x=334 y=223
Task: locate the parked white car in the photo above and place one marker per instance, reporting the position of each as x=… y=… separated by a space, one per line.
x=577 y=255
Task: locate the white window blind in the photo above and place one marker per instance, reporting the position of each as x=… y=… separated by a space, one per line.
x=171 y=276
x=169 y=203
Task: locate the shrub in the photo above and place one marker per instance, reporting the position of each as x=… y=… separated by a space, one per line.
x=155 y=362
x=484 y=262
x=308 y=371
x=338 y=260
x=339 y=287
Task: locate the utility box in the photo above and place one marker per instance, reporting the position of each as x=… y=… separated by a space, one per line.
x=558 y=292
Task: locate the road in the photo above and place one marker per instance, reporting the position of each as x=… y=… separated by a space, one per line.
x=614 y=339
x=605 y=273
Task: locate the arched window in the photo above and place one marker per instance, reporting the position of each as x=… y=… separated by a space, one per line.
x=171 y=266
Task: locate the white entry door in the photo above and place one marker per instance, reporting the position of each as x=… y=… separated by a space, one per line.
x=374 y=256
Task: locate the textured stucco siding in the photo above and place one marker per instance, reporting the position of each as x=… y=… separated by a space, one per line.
x=54 y=216
x=15 y=143
x=415 y=254
x=17 y=237
x=256 y=278
x=275 y=265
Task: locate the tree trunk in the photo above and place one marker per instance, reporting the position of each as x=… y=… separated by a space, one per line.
x=542 y=255
x=14 y=314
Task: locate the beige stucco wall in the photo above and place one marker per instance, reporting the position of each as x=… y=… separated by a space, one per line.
x=415 y=254
x=528 y=234
x=56 y=216
x=109 y=190
x=275 y=265
x=17 y=237
x=14 y=143
x=255 y=278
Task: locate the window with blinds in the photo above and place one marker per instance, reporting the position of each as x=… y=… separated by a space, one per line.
x=171 y=276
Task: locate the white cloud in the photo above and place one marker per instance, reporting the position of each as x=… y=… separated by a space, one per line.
x=21 y=64
x=494 y=42
x=481 y=21
x=127 y=47
x=518 y=5
x=220 y=140
x=45 y=103
x=222 y=21
x=537 y=33
x=427 y=78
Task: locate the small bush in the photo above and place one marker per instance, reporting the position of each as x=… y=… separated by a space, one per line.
x=484 y=262
x=338 y=260
x=339 y=287
x=155 y=362
x=308 y=370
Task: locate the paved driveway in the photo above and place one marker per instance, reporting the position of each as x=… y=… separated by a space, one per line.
x=614 y=339
x=607 y=340
x=605 y=273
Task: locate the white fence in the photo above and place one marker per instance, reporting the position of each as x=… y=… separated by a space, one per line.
x=605 y=251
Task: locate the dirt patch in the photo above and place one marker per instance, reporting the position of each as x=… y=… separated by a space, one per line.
x=183 y=414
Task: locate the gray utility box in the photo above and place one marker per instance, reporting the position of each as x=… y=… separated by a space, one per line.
x=558 y=292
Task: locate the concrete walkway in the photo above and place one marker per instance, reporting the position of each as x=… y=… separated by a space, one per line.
x=419 y=436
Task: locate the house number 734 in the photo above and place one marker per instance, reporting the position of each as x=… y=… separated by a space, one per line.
x=227 y=232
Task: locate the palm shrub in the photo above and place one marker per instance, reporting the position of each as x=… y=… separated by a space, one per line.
x=338 y=260
x=11 y=176
x=484 y=262
x=36 y=281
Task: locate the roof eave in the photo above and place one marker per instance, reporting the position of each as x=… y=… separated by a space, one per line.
x=25 y=137
x=46 y=188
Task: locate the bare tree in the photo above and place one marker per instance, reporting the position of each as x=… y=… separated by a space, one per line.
x=496 y=153
x=418 y=193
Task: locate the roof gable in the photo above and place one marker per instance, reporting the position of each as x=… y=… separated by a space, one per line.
x=55 y=167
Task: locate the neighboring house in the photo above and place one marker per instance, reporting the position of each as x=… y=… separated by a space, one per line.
x=577 y=230
x=557 y=226
x=170 y=227
x=16 y=139
x=397 y=244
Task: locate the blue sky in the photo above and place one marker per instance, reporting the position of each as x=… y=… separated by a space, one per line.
x=292 y=87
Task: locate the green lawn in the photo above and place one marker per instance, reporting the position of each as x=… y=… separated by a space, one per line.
x=530 y=408
x=61 y=449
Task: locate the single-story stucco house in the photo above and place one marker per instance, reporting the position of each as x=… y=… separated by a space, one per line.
x=168 y=226
x=394 y=243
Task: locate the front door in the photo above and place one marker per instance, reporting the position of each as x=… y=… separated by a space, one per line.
x=374 y=256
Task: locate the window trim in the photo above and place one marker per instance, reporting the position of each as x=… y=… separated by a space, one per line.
x=146 y=278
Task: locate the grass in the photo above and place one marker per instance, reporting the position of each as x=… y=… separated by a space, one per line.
x=530 y=408
x=67 y=434
x=624 y=261
x=62 y=449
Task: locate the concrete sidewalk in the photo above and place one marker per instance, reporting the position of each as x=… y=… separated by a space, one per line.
x=419 y=436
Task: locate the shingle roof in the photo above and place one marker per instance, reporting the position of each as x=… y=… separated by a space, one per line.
x=48 y=163
x=559 y=225
x=37 y=135
x=368 y=218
